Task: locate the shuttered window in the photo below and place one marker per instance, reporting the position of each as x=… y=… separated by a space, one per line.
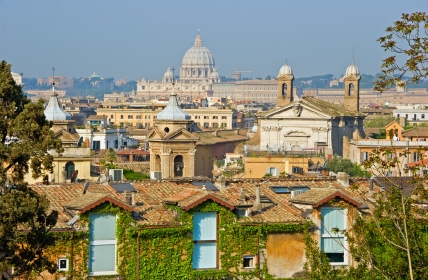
x=102 y=244
x=332 y=243
x=205 y=240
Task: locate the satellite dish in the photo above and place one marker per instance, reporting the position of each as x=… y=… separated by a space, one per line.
x=74 y=176
x=85 y=187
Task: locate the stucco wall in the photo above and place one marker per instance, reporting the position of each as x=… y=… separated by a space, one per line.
x=285 y=254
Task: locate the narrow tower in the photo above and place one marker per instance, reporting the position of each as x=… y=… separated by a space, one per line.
x=285 y=85
x=352 y=88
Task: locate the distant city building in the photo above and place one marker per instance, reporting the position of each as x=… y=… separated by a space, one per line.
x=61 y=82
x=236 y=75
x=197 y=73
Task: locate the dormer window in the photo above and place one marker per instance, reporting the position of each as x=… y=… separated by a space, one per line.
x=242 y=211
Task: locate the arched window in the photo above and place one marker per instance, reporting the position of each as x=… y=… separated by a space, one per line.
x=69 y=168
x=423 y=116
x=284 y=90
x=351 y=89
x=178 y=166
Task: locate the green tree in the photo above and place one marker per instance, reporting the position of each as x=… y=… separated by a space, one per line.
x=389 y=240
x=109 y=159
x=340 y=164
x=407 y=39
x=25 y=221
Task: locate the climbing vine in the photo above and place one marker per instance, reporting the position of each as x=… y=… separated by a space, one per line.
x=166 y=252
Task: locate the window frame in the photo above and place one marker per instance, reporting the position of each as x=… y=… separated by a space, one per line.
x=103 y=242
x=253 y=258
x=66 y=266
x=206 y=241
x=339 y=235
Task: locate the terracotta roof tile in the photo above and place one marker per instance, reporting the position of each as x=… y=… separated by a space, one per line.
x=151 y=197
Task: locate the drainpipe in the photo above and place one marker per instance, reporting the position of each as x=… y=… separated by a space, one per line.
x=137 y=276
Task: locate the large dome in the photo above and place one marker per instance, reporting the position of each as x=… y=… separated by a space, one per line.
x=198 y=55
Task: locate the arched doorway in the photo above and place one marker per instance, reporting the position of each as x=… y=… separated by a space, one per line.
x=69 y=168
x=178 y=166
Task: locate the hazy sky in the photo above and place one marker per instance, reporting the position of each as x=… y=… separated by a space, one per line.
x=135 y=39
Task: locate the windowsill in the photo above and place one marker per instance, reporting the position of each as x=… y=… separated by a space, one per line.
x=213 y=268
x=101 y=273
x=339 y=264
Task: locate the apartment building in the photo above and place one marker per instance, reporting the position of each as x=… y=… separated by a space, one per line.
x=205 y=117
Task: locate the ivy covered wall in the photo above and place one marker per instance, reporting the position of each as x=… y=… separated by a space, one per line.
x=166 y=253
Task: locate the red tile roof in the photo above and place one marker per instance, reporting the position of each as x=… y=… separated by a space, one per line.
x=151 y=197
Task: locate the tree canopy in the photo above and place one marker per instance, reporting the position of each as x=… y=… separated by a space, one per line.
x=340 y=164
x=407 y=39
x=25 y=220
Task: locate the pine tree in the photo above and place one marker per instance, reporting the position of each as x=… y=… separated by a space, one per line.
x=25 y=219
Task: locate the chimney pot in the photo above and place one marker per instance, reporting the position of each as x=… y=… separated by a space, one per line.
x=127 y=195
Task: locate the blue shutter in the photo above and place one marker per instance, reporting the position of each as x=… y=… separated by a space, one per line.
x=332 y=218
x=102 y=258
x=102 y=227
x=204 y=255
x=205 y=226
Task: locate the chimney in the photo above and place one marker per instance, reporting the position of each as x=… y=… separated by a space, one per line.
x=64 y=175
x=257 y=203
x=343 y=179
x=134 y=202
x=241 y=196
x=127 y=195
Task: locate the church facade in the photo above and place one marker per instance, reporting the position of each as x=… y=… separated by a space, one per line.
x=197 y=74
x=308 y=123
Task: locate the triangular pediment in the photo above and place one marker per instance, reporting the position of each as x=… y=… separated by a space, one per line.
x=296 y=110
x=180 y=134
x=154 y=133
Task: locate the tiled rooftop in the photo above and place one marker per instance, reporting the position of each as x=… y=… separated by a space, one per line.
x=151 y=197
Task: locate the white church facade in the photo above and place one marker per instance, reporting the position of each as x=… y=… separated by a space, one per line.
x=308 y=123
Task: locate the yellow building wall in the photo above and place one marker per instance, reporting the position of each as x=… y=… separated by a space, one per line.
x=257 y=167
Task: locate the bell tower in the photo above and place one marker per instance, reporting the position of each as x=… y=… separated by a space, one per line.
x=352 y=88
x=285 y=86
